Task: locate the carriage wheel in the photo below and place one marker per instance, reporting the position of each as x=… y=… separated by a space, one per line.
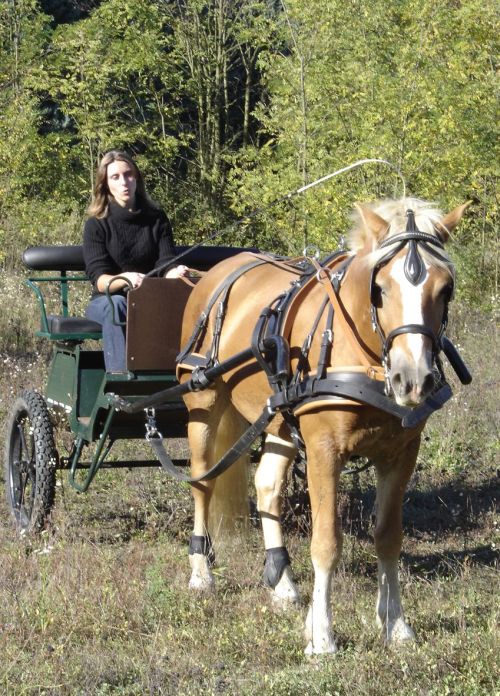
x=30 y=462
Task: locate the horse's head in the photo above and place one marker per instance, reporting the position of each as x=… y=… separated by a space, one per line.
x=411 y=284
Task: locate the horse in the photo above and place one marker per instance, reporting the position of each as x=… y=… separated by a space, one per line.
x=369 y=320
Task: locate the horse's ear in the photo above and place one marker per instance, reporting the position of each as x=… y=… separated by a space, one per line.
x=446 y=226
x=373 y=223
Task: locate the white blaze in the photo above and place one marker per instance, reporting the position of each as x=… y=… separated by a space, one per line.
x=411 y=302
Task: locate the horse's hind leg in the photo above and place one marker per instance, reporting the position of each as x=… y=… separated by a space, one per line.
x=213 y=427
x=391 y=486
x=269 y=479
x=203 y=417
x=200 y=546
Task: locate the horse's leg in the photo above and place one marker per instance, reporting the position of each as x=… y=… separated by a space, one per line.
x=323 y=470
x=269 y=479
x=203 y=417
x=391 y=486
x=229 y=509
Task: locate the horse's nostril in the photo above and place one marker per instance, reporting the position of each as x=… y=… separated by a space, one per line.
x=401 y=386
x=428 y=383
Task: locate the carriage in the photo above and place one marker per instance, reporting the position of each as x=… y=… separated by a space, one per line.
x=336 y=358
x=79 y=393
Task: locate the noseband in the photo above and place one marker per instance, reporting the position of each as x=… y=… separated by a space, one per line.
x=414 y=269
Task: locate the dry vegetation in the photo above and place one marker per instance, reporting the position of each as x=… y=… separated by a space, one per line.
x=98 y=604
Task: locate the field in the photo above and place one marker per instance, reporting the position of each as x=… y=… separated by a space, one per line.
x=98 y=604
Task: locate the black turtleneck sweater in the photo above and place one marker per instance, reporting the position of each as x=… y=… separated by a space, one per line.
x=125 y=240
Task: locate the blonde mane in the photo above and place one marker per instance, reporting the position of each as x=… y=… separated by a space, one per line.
x=427 y=218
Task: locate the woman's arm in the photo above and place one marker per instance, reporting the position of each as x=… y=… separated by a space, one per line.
x=107 y=282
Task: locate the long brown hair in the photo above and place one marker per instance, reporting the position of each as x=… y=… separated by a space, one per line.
x=100 y=198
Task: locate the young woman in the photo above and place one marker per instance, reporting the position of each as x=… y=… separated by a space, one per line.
x=125 y=237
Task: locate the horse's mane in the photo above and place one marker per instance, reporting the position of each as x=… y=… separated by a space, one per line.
x=427 y=217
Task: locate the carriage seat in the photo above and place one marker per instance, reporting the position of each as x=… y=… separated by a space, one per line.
x=70 y=257
x=72 y=325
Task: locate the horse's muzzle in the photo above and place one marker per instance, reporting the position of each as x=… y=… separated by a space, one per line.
x=411 y=383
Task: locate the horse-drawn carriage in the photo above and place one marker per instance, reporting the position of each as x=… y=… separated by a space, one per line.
x=338 y=358
x=79 y=393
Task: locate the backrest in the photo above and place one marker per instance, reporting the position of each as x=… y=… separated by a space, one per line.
x=70 y=257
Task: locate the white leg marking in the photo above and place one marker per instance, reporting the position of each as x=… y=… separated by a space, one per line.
x=318 y=631
x=202 y=578
x=269 y=480
x=390 y=617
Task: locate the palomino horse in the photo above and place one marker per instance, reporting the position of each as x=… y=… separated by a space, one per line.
x=375 y=314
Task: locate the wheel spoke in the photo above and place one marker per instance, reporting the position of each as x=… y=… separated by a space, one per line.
x=26 y=472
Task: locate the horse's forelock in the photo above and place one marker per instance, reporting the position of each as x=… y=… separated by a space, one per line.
x=427 y=216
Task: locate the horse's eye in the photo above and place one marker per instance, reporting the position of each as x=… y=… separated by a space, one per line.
x=377 y=294
x=447 y=292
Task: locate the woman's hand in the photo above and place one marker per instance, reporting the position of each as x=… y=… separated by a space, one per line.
x=177 y=272
x=135 y=278
x=112 y=283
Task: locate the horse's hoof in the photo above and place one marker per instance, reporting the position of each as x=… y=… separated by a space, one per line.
x=285 y=595
x=202 y=579
x=398 y=632
x=323 y=647
x=285 y=603
x=201 y=584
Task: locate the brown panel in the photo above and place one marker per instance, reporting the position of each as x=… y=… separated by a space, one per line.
x=154 y=322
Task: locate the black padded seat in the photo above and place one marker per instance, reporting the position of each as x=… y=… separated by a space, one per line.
x=69 y=325
x=70 y=258
x=54 y=258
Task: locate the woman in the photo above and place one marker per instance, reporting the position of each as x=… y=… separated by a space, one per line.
x=125 y=237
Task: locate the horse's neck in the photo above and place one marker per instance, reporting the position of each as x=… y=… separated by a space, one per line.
x=355 y=298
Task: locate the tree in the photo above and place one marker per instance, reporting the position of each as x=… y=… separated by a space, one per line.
x=109 y=77
x=409 y=82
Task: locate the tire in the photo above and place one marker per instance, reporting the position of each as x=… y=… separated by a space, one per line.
x=30 y=462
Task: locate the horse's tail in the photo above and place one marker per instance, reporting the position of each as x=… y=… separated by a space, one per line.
x=229 y=509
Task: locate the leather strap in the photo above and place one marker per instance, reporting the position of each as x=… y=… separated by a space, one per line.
x=232 y=455
x=323 y=275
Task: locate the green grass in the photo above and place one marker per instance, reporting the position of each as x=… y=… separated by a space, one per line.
x=98 y=604
x=83 y=611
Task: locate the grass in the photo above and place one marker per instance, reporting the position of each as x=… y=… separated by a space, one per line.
x=98 y=604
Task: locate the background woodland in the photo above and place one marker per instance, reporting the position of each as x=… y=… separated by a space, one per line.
x=230 y=104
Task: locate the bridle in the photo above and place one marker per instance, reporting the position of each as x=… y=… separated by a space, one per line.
x=414 y=269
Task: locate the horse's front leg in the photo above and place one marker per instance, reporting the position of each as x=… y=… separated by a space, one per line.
x=392 y=480
x=269 y=480
x=323 y=471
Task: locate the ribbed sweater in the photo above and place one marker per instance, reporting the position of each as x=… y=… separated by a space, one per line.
x=125 y=240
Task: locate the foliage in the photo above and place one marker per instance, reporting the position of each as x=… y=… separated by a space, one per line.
x=411 y=83
x=230 y=105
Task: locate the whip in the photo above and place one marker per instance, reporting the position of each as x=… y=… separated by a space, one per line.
x=288 y=196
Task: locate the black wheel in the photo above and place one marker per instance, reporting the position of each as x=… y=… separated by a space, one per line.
x=30 y=462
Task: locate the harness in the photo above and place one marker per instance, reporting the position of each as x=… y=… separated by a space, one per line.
x=294 y=394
